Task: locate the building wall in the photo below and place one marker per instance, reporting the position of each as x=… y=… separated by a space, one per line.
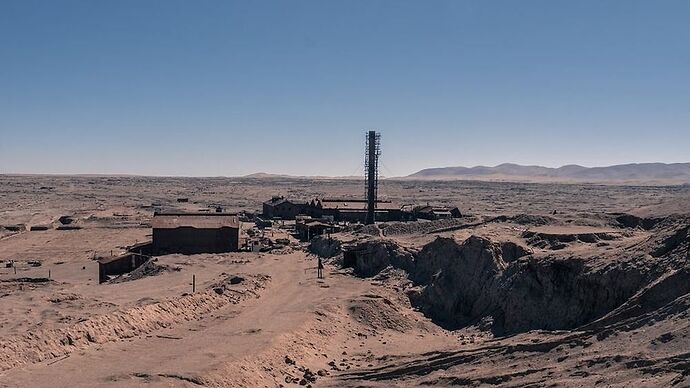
x=188 y=240
x=307 y=232
x=361 y=215
x=268 y=211
x=284 y=210
x=119 y=265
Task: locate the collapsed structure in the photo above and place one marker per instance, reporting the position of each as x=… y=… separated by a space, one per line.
x=306 y=229
x=186 y=233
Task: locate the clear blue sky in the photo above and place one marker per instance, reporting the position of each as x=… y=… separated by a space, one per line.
x=212 y=88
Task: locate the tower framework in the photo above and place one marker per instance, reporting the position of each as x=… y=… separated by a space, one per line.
x=371 y=169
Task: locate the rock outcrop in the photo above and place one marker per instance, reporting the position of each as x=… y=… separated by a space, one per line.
x=461 y=283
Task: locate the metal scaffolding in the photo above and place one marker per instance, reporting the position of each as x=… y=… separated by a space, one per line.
x=371 y=170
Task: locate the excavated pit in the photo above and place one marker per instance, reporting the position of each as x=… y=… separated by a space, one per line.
x=632 y=221
x=462 y=283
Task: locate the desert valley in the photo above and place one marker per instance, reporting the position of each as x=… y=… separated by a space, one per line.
x=536 y=284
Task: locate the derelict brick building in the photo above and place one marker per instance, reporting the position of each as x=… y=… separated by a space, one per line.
x=355 y=210
x=191 y=233
x=283 y=208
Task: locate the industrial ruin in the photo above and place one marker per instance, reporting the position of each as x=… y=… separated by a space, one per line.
x=195 y=232
x=344 y=194
x=525 y=274
x=190 y=233
x=319 y=215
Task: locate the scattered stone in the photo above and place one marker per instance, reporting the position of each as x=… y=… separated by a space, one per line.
x=236 y=280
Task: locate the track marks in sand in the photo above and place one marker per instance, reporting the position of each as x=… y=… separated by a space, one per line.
x=44 y=345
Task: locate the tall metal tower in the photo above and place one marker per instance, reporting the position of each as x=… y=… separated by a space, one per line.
x=371 y=169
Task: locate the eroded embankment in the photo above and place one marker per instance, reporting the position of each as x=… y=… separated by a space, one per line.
x=52 y=343
x=510 y=290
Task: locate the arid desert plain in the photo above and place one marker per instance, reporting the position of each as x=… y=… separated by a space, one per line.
x=536 y=285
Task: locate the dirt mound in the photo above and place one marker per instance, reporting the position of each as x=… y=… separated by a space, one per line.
x=52 y=343
x=370 y=230
x=422 y=227
x=149 y=268
x=527 y=219
x=557 y=241
x=26 y=280
x=379 y=313
x=371 y=257
x=325 y=247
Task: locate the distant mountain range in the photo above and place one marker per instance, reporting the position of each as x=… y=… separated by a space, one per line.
x=265 y=175
x=673 y=173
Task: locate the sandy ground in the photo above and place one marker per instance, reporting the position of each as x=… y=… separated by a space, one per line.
x=280 y=325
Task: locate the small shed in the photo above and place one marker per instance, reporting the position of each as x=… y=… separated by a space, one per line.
x=428 y=212
x=309 y=228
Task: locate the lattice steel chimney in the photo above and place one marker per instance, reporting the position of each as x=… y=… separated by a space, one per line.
x=371 y=169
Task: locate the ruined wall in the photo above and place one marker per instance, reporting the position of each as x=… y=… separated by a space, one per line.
x=189 y=240
x=119 y=265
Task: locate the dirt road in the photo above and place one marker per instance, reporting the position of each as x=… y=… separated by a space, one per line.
x=185 y=353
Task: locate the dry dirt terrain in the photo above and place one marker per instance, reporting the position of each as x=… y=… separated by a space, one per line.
x=537 y=285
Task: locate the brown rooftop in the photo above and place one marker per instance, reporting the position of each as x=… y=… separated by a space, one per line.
x=356 y=205
x=195 y=220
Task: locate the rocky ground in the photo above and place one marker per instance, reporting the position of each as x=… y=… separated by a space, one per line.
x=539 y=285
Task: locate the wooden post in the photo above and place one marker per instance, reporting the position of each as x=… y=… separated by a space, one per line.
x=193 y=283
x=48 y=274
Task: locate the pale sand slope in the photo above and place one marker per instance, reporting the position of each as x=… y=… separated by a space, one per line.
x=295 y=315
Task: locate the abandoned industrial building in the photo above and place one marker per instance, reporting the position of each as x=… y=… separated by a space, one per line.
x=219 y=232
x=306 y=229
x=428 y=212
x=283 y=208
x=354 y=210
x=191 y=233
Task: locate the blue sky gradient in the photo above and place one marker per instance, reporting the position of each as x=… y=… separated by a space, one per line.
x=208 y=88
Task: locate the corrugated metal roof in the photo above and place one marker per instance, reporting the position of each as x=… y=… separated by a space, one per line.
x=280 y=200
x=195 y=220
x=357 y=205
